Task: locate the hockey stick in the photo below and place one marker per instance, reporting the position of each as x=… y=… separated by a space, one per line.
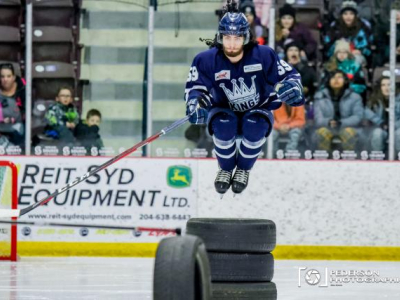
x=10 y=213
x=178 y=231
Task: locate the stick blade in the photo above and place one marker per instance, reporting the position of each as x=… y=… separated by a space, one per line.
x=9 y=213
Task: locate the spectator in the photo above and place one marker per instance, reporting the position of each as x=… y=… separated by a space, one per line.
x=13 y=86
x=87 y=132
x=262 y=11
x=12 y=103
x=288 y=28
x=308 y=74
x=62 y=117
x=289 y=122
x=259 y=32
x=382 y=41
x=377 y=115
x=365 y=9
x=338 y=113
x=344 y=60
x=349 y=26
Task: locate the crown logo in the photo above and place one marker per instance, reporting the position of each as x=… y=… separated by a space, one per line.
x=240 y=93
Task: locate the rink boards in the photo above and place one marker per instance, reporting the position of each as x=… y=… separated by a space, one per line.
x=322 y=209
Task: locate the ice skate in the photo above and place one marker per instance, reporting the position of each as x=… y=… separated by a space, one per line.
x=223 y=181
x=240 y=181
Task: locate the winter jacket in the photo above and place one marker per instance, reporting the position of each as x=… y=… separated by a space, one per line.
x=361 y=40
x=88 y=136
x=376 y=115
x=350 y=106
x=354 y=73
x=296 y=119
x=19 y=95
x=382 y=42
x=58 y=115
x=10 y=111
x=301 y=36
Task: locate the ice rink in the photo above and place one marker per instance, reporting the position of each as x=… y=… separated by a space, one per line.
x=75 y=278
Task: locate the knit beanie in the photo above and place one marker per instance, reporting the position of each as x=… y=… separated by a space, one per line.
x=342 y=45
x=247 y=7
x=291 y=43
x=349 y=5
x=287 y=9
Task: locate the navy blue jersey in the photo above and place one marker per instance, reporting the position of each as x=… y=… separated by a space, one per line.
x=240 y=86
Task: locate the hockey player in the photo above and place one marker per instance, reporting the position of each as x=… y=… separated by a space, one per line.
x=233 y=87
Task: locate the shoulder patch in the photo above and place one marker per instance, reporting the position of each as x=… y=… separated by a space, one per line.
x=224 y=74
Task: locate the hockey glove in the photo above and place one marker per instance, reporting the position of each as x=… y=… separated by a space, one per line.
x=290 y=92
x=198 y=109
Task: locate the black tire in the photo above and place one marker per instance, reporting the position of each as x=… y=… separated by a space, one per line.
x=235 y=235
x=182 y=270
x=245 y=291
x=234 y=267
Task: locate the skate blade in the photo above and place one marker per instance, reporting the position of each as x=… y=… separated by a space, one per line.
x=237 y=194
x=221 y=196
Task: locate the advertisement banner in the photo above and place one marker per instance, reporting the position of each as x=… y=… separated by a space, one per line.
x=133 y=192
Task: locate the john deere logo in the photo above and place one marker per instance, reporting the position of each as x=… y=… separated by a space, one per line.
x=179 y=176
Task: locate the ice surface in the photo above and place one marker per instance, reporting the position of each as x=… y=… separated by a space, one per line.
x=131 y=278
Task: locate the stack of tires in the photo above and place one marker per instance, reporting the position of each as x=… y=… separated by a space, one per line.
x=239 y=252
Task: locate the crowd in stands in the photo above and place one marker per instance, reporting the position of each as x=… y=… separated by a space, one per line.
x=62 y=123
x=342 y=56
x=64 y=126
x=347 y=100
x=56 y=88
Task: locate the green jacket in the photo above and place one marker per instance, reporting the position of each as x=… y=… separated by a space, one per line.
x=58 y=115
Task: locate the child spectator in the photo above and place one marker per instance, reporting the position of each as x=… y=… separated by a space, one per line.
x=259 y=32
x=344 y=60
x=87 y=132
x=338 y=113
x=377 y=115
x=288 y=28
x=289 y=122
x=12 y=106
x=350 y=27
x=62 y=117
